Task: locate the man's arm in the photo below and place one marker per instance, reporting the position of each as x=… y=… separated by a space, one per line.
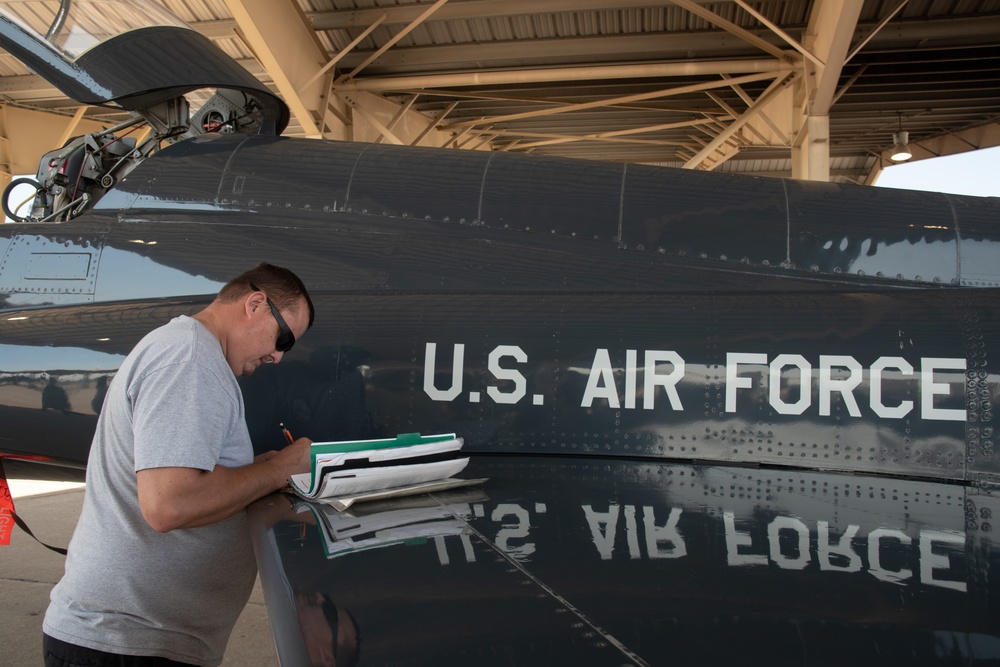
x=172 y=498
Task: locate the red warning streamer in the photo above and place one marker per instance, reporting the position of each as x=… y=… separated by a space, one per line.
x=6 y=509
x=7 y=513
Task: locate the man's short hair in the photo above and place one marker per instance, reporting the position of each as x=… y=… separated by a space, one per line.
x=282 y=287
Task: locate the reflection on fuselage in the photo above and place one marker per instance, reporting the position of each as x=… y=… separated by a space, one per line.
x=629 y=547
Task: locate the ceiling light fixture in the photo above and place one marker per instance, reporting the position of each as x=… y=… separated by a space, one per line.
x=900 y=139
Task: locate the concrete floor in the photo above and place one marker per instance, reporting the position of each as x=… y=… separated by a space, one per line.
x=28 y=571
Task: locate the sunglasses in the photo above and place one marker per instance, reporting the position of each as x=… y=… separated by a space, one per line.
x=332 y=615
x=286 y=339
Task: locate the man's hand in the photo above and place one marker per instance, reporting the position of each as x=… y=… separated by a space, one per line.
x=295 y=457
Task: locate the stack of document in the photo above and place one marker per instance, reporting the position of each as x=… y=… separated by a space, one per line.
x=410 y=520
x=350 y=468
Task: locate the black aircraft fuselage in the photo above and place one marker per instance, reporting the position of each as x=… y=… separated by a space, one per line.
x=532 y=305
x=722 y=418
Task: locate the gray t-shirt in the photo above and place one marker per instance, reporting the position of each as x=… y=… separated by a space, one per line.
x=128 y=589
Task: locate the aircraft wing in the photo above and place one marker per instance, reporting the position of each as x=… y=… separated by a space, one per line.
x=570 y=560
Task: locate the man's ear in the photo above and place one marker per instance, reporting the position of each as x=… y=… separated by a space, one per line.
x=253 y=302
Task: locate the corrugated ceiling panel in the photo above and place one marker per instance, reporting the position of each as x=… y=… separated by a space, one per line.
x=193 y=11
x=960 y=93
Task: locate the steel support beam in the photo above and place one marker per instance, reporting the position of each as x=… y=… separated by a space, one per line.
x=286 y=45
x=554 y=74
x=832 y=24
x=701 y=159
x=651 y=95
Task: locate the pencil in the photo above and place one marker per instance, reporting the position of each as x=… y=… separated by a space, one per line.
x=287 y=433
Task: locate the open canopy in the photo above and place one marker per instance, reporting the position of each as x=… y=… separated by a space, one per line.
x=133 y=54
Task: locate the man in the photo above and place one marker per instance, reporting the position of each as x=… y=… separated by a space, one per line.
x=161 y=565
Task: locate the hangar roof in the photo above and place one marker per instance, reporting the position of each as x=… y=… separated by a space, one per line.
x=753 y=87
